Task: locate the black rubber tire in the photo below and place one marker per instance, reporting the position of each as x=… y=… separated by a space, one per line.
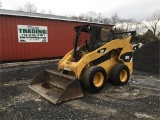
x=115 y=74
x=89 y=76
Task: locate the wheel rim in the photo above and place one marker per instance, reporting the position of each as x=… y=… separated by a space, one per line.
x=123 y=75
x=98 y=79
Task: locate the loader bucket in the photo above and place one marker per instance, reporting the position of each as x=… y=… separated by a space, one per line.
x=56 y=87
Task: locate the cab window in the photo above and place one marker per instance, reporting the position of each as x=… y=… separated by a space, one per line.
x=106 y=35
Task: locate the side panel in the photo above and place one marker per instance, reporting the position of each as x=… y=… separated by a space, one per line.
x=60 y=39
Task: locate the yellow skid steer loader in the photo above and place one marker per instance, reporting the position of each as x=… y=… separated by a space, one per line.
x=97 y=56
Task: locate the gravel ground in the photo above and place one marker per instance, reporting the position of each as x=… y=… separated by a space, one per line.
x=139 y=99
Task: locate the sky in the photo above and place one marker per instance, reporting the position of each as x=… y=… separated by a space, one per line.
x=126 y=9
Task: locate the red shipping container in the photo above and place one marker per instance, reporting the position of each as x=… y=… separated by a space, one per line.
x=60 y=35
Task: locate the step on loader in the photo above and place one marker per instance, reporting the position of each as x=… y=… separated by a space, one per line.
x=99 y=54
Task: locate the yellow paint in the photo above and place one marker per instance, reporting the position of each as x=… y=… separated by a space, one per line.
x=98 y=79
x=123 y=75
x=121 y=45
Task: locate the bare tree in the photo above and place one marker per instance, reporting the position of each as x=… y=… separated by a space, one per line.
x=99 y=18
x=82 y=17
x=74 y=17
x=127 y=24
x=29 y=7
x=152 y=23
x=90 y=16
x=43 y=11
x=94 y=17
x=115 y=18
x=50 y=12
x=130 y=24
x=106 y=20
x=138 y=27
x=0 y=4
x=20 y=9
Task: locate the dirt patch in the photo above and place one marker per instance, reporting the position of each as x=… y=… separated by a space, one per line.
x=129 y=92
x=143 y=115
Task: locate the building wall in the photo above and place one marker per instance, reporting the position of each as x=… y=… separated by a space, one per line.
x=60 y=38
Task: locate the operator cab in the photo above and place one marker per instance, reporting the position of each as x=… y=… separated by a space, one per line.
x=89 y=38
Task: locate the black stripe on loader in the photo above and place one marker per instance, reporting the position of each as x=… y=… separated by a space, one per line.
x=103 y=58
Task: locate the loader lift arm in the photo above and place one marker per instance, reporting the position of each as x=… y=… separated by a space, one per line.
x=133 y=34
